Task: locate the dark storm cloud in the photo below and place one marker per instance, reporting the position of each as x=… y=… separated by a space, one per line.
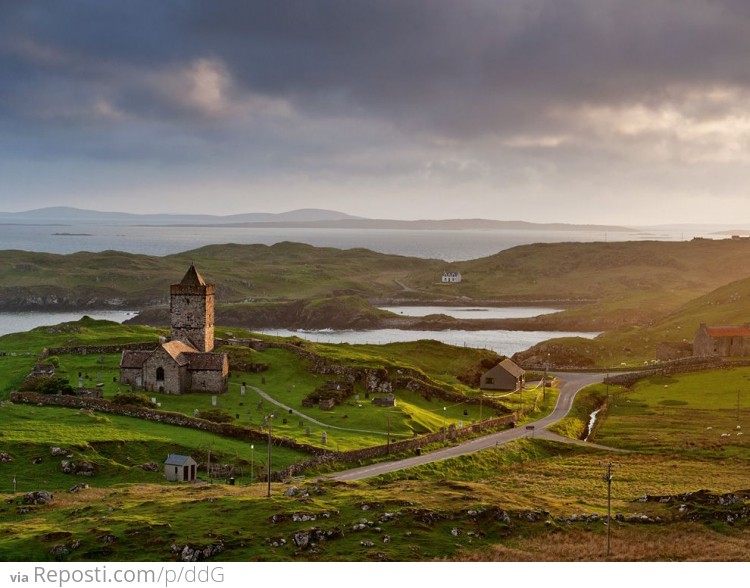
x=507 y=96
x=458 y=68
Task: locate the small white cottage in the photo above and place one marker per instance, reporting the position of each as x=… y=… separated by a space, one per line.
x=180 y=468
x=452 y=277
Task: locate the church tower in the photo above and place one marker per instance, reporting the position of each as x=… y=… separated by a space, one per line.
x=192 y=311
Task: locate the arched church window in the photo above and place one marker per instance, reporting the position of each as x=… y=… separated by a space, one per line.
x=160 y=374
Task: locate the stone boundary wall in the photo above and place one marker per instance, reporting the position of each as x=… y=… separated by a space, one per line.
x=357 y=455
x=97 y=349
x=322 y=456
x=379 y=380
x=678 y=366
x=161 y=416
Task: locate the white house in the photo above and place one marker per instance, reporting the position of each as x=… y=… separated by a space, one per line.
x=451 y=277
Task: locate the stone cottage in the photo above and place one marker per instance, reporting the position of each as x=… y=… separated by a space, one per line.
x=730 y=341
x=186 y=363
x=506 y=375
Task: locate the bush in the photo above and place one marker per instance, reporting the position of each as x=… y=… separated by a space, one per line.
x=47 y=385
x=215 y=415
x=133 y=399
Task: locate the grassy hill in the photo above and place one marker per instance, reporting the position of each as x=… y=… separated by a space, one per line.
x=667 y=337
x=622 y=283
x=241 y=272
x=625 y=283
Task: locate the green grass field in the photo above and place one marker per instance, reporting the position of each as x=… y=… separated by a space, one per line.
x=691 y=414
x=506 y=503
x=117 y=445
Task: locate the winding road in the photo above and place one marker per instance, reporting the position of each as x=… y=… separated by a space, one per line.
x=572 y=383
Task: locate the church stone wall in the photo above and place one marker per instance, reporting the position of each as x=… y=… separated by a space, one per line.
x=131 y=376
x=175 y=376
x=208 y=381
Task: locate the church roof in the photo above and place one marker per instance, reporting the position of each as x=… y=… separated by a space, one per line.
x=134 y=359
x=177 y=350
x=192 y=277
x=207 y=361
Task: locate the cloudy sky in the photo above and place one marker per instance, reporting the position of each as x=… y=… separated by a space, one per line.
x=612 y=111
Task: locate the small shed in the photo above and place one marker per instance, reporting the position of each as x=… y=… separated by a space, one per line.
x=504 y=376
x=180 y=468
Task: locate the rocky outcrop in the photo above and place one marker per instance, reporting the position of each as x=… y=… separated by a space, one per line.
x=38 y=497
x=78 y=468
x=191 y=553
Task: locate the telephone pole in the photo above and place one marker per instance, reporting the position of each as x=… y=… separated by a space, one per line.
x=608 y=479
x=270 y=417
x=388 y=447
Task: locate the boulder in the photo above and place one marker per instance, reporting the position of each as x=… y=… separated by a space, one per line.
x=37 y=497
x=191 y=553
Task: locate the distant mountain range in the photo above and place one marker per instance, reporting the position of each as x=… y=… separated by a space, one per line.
x=68 y=215
x=303 y=218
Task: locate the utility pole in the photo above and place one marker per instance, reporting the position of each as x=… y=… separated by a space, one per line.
x=445 y=425
x=270 y=417
x=608 y=479
x=388 y=447
x=208 y=465
x=480 y=407
x=252 y=462
x=738 y=406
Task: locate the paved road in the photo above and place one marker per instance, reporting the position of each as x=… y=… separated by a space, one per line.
x=571 y=385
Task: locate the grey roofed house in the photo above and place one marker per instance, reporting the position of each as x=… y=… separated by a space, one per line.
x=506 y=375
x=178 y=460
x=180 y=468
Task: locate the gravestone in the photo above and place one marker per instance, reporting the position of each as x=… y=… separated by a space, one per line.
x=213 y=400
x=324 y=438
x=242 y=389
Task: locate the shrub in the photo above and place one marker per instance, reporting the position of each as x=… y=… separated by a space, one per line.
x=215 y=415
x=47 y=385
x=133 y=399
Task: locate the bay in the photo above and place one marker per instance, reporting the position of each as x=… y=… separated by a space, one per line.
x=472 y=312
x=502 y=342
x=448 y=245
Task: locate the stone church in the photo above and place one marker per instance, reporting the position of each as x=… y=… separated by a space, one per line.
x=186 y=363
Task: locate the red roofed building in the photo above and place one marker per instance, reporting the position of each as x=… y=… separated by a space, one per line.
x=186 y=363
x=729 y=341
